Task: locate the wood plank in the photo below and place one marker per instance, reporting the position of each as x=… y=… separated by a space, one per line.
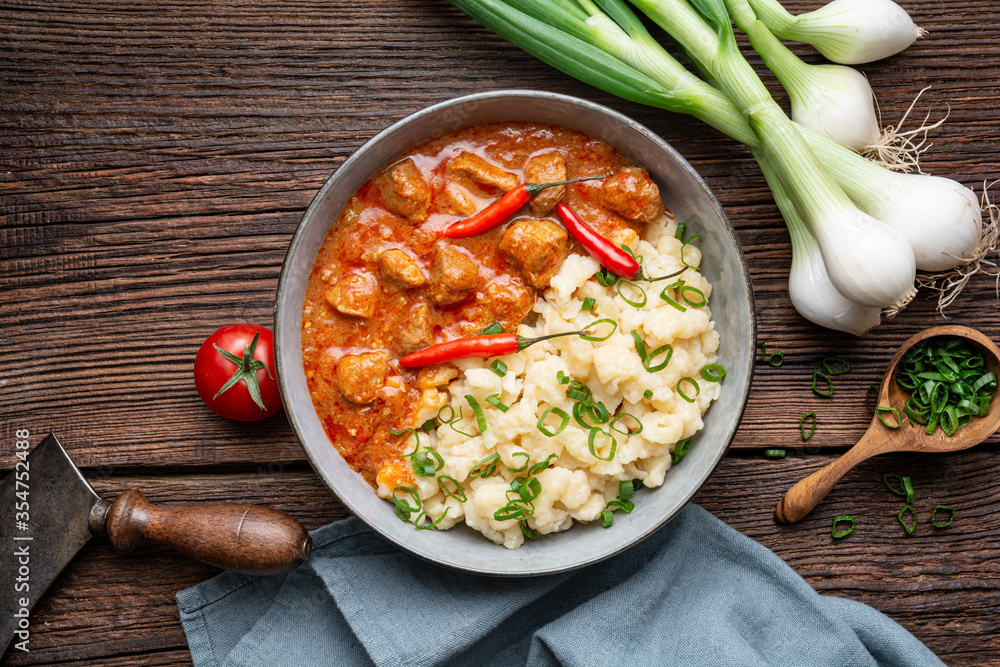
x=942 y=585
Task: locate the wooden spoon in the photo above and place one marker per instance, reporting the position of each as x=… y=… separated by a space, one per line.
x=878 y=439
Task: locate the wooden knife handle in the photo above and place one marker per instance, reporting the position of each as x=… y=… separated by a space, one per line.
x=250 y=539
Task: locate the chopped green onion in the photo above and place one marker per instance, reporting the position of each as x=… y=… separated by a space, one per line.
x=626 y=431
x=542 y=465
x=526 y=488
x=648 y=394
x=529 y=532
x=526 y=459
x=626 y=505
x=607 y=518
x=640 y=345
x=681 y=229
x=880 y=411
x=908 y=528
x=828 y=365
x=948 y=383
x=485 y=467
x=844 y=532
x=499 y=367
x=829 y=384
x=774 y=453
x=593 y=449
x=693 y=383
x=680 y=450
x=559 y=413
x=625 y=489
x=562 y=378
x=908 y=488
x=665 y=350
x=702 y=301
x=598 y=339
x=403 y=509
x=901 y=490
x=429 y=425
x=763 y=350
x=606 y=278
x=663 y=295
x=590 y=410
x=802 y=425
x=494 y=400
x=420 y=525
x=458 y=493
x=871 y=398
x=635 y=303
x=426 y=463
x=780 y=356
x=415 y=437
x=491 y=330
x=588 y=304
x=688 y=241
x=713 y=373
x=951 y=516
x=515 y=509
x=478 y=411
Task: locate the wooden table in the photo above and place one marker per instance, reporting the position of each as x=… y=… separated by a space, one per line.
x=155 y=160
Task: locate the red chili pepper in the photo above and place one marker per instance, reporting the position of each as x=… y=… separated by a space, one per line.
x=481 y=347
x=502 y=209
x=611 y=257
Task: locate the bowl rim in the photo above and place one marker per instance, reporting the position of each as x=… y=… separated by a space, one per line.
x=437 y=108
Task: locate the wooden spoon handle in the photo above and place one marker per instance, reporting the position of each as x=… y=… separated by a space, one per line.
x=247 y=538
x=805 y=495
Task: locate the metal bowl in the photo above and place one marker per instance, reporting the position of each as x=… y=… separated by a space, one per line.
x=732 y=307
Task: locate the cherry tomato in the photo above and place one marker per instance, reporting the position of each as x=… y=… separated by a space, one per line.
x=234 y=373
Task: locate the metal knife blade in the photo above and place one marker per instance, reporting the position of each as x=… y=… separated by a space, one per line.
x=45 y=508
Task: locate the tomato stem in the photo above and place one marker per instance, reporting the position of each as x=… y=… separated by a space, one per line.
x=246 y=370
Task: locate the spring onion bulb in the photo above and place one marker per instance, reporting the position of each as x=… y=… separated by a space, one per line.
x=809 y=286
x=833 y=100
x=849 y=32
x=940 y=218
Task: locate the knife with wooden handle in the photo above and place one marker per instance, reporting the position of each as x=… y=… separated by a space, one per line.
x=48 y=512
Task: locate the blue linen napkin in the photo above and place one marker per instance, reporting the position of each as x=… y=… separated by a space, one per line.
x=696 y=592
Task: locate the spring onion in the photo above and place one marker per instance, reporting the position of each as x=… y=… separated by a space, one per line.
x=491 y=329
x=455 y=491
x=776 y=359
x=802 y=425
x=626 y=431
x=904 y=488
x=485 y=467
x=494 y=400
x=850 y=32
x=680 y=450
x=909 y=528
x=680 y=392
x=948 y=382
x=843 y=532
x=713 y=372
x=546 y=431
x=826 y=393
x=774 y=453
x=588 y=304
x=832 y=100
x=613 y=51
x=592 y=445
x=478 y=412
x=951 y=516
x=522 y=468
x=499 y=367
x=809 y=286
